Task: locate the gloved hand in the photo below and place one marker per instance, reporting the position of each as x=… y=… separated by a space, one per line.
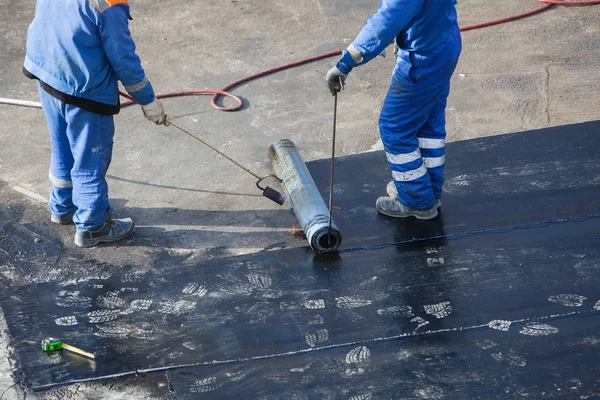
x=335 y=79
x=154 y=112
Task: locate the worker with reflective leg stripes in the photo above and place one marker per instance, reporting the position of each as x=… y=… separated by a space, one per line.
x=78 y=50
x=412 y=120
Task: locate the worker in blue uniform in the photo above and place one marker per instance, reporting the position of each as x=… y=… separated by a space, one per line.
x=78 y=50
x=412 y=121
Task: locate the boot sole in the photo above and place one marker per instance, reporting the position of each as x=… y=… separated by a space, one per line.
x=59 y=221
x=86 y=243
x=394 y=194
x=410 y=214
x=68 y=220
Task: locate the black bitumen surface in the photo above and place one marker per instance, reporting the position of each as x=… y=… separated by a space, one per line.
x=497 y=298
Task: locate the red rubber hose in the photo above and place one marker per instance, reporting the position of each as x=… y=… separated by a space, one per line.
x=225 y=91
x=505 y=20
x=571 y=3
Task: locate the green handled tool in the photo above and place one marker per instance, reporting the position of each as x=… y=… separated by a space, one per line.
x=51 y=344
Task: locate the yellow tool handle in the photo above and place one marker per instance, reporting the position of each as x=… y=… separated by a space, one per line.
x=74 y=349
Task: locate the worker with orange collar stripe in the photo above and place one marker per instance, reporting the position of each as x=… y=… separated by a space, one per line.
x=78 y=50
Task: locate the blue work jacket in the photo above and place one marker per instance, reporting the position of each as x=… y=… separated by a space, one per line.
x=418 y=26
x=82 y=48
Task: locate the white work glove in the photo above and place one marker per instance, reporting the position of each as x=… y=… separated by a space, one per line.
x=154 y=112
x=335 y=79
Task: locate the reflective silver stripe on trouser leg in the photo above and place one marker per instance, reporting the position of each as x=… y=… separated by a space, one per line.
x=403 y=158
x=137 y=87
x=434 y=162
x=426 y=143
x=410 y=175
x=59 y=183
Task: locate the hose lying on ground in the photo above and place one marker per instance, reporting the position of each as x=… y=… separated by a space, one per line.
x=217 y=94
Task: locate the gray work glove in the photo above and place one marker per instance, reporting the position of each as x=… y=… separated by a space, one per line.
x=154 y=112
x=335 y=79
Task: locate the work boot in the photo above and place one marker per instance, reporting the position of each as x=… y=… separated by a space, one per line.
x=111 y=230
x=392 y=191
x=393 y=208
x=64 y=220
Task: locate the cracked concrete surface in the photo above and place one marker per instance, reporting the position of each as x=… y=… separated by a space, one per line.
x=531 y=73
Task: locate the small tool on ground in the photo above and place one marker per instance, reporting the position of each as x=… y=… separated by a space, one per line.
x=52 y=344
x=335 y=103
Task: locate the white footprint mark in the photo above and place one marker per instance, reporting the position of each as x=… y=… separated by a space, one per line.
x=261 y=281
x=132 y=277
x=420 y=323
x=433 y=249
x=460 y=180
x=66 y=321
x=358 y=355
x=100 y=316
x=64 y=293
x=397 y=311
x=74 y=301
x=317 y=337
x=535 y=329
x=190 y=345
x=597 y=306
x=314 y=304
x=356 y=360
x=500 y=325
x=440 y=310
x=435 y=262
x=204 y=385
x=430 y=393
x=568 y=300
x=195 y=289
x=316 y=320
x=141 y=304
x=110 y=300
x=177 y=307
x=351 y=302
x=272 y=294
x=367 y=396
x=129 y=290
x=510 y=358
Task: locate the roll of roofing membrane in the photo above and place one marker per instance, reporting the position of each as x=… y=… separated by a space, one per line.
x=306 y=201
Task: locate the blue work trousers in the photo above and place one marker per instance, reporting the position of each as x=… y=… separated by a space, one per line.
x=81 y=153
x=412 y=123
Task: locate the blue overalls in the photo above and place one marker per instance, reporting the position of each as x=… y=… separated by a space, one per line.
x=412 y=121
x=79 y=50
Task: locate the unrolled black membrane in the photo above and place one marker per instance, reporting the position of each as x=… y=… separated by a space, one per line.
x=497 y=298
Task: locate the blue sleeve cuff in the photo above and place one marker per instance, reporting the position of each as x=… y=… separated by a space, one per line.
x=345 y=64
x=145 y=95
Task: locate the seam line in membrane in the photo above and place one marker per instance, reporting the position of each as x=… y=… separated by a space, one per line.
x=454 y=236
x=317 y=349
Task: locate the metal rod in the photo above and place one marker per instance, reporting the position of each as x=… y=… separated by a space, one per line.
x=335 y=103
x=22 y=103
x=215 y=150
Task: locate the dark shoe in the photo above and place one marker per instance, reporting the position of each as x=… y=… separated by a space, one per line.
x=111 y=230
x=393 y=208
x=65 y=220
x=392 y=191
